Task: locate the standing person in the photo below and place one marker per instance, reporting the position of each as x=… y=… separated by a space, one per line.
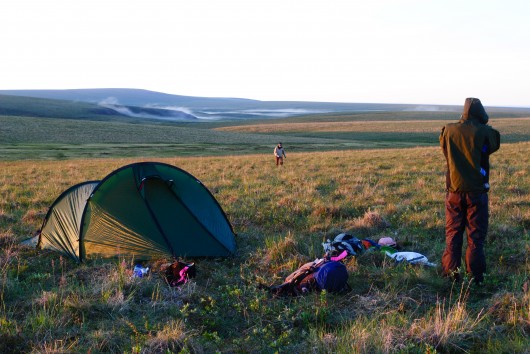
x=467 y=145
x=279 y=153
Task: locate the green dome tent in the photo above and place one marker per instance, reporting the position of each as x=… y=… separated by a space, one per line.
x=144 y=210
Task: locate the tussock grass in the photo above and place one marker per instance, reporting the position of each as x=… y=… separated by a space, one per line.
x=281 y=216
x=450 y=323
x=171 y=338
x=508 y=125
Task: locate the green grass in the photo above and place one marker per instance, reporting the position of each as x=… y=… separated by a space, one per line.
x=45 y=138
x=53 y=138
x=281 y=216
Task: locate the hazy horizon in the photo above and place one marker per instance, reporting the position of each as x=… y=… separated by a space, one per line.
x=423 y=105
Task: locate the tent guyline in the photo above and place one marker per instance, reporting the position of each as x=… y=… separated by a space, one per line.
x=145 y=210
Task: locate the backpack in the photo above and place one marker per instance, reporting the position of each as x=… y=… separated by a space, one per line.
x=178 y=273
x=343 y=242
x=321 y=274
x=332 y=276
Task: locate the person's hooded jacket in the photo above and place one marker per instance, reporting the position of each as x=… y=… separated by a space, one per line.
x=467 y=145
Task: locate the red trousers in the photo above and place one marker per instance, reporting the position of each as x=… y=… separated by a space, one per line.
x=465 y=212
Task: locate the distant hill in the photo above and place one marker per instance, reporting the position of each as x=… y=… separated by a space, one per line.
x=143 y=104
x=207 y=108
x=130 y=97
x=54 y=108
x=21 y=106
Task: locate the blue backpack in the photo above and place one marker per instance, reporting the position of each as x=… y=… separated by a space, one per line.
x=320 y=274
x=332 y=276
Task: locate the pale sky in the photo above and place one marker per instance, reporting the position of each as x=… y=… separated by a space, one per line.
x=388 y=51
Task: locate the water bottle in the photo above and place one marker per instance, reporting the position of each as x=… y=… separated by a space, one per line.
x=140 y=271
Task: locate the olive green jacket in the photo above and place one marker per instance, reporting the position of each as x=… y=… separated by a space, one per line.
x=467 y=145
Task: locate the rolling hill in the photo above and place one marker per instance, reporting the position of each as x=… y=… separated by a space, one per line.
x=22 y=106
x=144 y=104
x=208 y=109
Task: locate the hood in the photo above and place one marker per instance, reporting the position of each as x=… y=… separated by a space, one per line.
x=473 y=109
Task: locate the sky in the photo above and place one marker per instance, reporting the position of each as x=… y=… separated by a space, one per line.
x=380 y=51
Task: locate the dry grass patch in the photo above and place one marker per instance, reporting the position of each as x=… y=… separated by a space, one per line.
x=505 y=126
x=450 y=323
x=281 y=253
x=371 y=220
x=172 y=338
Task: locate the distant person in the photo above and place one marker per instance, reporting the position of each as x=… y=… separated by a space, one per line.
x=467 y=145
x=279 y=153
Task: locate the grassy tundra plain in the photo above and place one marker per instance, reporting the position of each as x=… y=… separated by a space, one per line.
x=281 y=215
